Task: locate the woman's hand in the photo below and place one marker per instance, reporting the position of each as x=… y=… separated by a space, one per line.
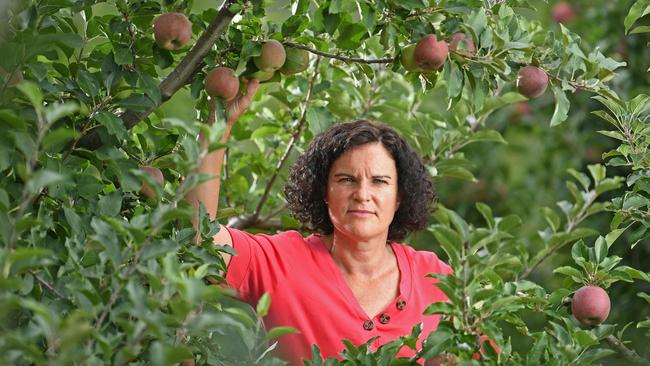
x=238 y=105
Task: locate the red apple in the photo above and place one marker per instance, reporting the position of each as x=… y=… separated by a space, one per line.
x=563 y=12
x=172 y=30
x=460 y=41
x=430 y=54
x=532 y=81
x=222 y=82
x=272 y=56
x=590 y=305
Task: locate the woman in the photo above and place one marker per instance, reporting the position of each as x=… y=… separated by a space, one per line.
x=361 y=187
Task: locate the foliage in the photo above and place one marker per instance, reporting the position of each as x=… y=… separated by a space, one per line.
x=94 y=273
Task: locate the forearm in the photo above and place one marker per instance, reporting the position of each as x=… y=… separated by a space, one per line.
x=207 y=193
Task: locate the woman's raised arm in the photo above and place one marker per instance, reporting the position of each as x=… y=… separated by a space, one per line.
x=207 y=193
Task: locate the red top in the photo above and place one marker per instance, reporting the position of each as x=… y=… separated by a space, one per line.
x=308 y=292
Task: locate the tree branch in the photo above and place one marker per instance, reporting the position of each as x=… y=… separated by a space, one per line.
x=246 y=221
x=627 y=353
x=569 y=228
x=180 y=76
x=340 y=57
x=47 y=285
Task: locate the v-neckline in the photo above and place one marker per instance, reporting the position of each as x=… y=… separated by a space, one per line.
x=404 y=286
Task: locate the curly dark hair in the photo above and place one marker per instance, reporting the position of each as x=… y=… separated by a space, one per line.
x=306 y=187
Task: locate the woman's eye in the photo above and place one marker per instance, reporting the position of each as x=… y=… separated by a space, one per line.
x=345 y=180
x=381 y=181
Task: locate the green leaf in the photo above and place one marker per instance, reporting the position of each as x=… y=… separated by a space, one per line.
x=640 y=29
x=486 y=212
x=279 y=331
x=584 y=338
x=110 y=205
x=318 y=119
x=56 y=111
x=136 y=103
x=597 y=172
x=561 y=106
x=56 y=139
x=644 y=296
x=459 y=173
x=638 y=10
x=552 y=218
x=351 y=35
x=611 y=237
x=439 y=308
x=123 y=56
x=106 y=236
x=113 y=124
x=643 y=324
x=263 y=305
x=43 y=178
x=33 y=93
x=579 y=251
x=600 y=249
x=571 y=272
x=488 y=135
x=593 y=355
x=454 y=78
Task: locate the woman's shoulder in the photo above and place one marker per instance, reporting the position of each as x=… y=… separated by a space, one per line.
x=287 y=237
x=424 y=260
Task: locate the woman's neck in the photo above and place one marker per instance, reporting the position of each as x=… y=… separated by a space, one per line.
x=360 y=258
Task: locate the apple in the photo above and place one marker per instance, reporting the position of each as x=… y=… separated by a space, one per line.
x=222 y=82
x=297 y=60
x=563 y=12
x=460 y=41
x=272 y=56
x=408 y=59
x=430 y=54
x=590 y=305
x=157 y=176
x=532 y=81
x=172 y=31
x=263 y=75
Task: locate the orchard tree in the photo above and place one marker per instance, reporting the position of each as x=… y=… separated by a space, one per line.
x=529 y=116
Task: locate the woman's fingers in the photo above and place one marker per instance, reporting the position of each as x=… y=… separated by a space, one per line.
x=239 y=105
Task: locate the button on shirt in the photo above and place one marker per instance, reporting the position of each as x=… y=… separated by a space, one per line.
x=308 y=292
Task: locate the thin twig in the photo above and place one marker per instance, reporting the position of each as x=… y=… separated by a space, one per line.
x=570 y=226
x=47 y=285
x=273 y=213
x=627 y=353
x=341 y=57
x=294 y=138
x=252 y=219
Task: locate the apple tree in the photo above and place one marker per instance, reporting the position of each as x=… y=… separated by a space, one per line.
x=530 y=117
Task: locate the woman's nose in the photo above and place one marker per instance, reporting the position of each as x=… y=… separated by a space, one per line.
x=362 y=192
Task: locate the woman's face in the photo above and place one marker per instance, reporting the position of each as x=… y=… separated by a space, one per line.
x=362 y=192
